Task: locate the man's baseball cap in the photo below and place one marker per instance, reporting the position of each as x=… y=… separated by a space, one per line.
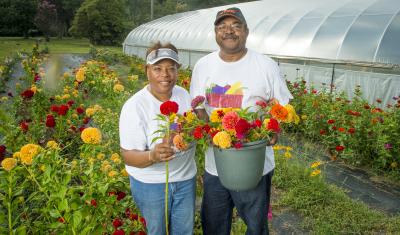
x=233 y=12
x=160 y=54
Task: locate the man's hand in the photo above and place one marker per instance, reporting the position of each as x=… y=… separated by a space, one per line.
x=273 y=140
x=202 y=114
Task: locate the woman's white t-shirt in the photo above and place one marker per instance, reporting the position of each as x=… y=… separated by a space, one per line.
x=253 y=78
x=137 y=126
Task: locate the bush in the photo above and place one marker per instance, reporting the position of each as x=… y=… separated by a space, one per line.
x=100 y=20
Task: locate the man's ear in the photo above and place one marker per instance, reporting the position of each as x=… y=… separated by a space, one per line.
x=178 y=65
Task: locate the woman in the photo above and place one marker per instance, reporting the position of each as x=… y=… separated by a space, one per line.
x=145 y=161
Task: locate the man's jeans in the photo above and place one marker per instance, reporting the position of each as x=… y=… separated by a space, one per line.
x=181 y=205
x=218 y=203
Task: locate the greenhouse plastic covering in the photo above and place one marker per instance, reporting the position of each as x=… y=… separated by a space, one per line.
x=359 y=32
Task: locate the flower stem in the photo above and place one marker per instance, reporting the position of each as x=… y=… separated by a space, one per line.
x=166 y=197
x=9 y=203
x=166 y=186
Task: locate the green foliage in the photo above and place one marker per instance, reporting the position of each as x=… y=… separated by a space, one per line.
x=100 y=20
x=16 y=17
x=355 y=131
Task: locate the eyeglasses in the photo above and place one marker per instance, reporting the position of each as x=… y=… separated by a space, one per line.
x=236 y=27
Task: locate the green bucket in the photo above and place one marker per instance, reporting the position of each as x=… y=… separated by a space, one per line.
x=241 y=169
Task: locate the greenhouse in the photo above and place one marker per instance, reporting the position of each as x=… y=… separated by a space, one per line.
x=344 y=43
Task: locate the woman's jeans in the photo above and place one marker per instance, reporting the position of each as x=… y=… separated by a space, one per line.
x=218 y=203
x=181 y=205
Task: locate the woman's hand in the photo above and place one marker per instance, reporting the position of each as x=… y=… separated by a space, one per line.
x=162 y=152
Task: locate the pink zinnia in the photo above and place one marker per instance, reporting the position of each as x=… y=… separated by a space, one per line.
x=229 y=120
x=198 y=100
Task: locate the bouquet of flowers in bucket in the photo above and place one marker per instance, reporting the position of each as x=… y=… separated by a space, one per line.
x=235 y=127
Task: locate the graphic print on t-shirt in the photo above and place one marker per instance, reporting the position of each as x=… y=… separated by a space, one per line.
x=228 y=96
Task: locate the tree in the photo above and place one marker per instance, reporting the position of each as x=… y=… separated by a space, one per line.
x=16 y=17
x=66 y=10
x=102 y=21
x=46 y=18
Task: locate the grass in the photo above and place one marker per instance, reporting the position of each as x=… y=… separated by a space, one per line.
x=8 y=45
x=325 y=208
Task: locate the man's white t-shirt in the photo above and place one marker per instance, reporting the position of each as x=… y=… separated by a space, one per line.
x=238 y=84
x=137 y=126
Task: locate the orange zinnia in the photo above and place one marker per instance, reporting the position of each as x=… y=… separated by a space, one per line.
x=279 y=112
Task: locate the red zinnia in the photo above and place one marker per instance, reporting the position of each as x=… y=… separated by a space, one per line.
x=169 y=107
x=119 y=232
x=36 y=78
x=54 y=108
x=322 y=132
x=27 y=94
x=198 y=133
x=258 y=123
x=121 y=196
x=117 y=223
x=143 y=221
x=351 y=130
x=242 y=127
x=70 y=103
x=206 y=128
x=24 y=126
x=238 y=145
x=339 y=148
x=63 y=109
x=273 y=125
x=133 y=217
x=341 y=129
x=330 y=121
x=93 y=202
x=86 y=120
x=61 y=220
x=80 y=110
x=50 y=121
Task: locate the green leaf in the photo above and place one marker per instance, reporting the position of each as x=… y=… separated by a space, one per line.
x=21 y=230
x=54 y=213
x=77 y=218
x=63 y=205
x=2 y=216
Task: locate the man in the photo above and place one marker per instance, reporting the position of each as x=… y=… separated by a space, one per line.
x=250 y=77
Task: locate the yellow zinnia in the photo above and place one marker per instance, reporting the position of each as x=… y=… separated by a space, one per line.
x=315 y=164
x=91 y=135
x=100 y=156
x=28 y=152
x=190 y=116
x=90 y=112
x=9 y=163
x=315 y=172
x=17 y=155
x=80 y=75
x=115 y=158
x=118 y=88
x=112 y=173
x=52 y=144
x=292 y=116
x=216 y=115
x=288 y=155
x=222 y=139
x=124 y=172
